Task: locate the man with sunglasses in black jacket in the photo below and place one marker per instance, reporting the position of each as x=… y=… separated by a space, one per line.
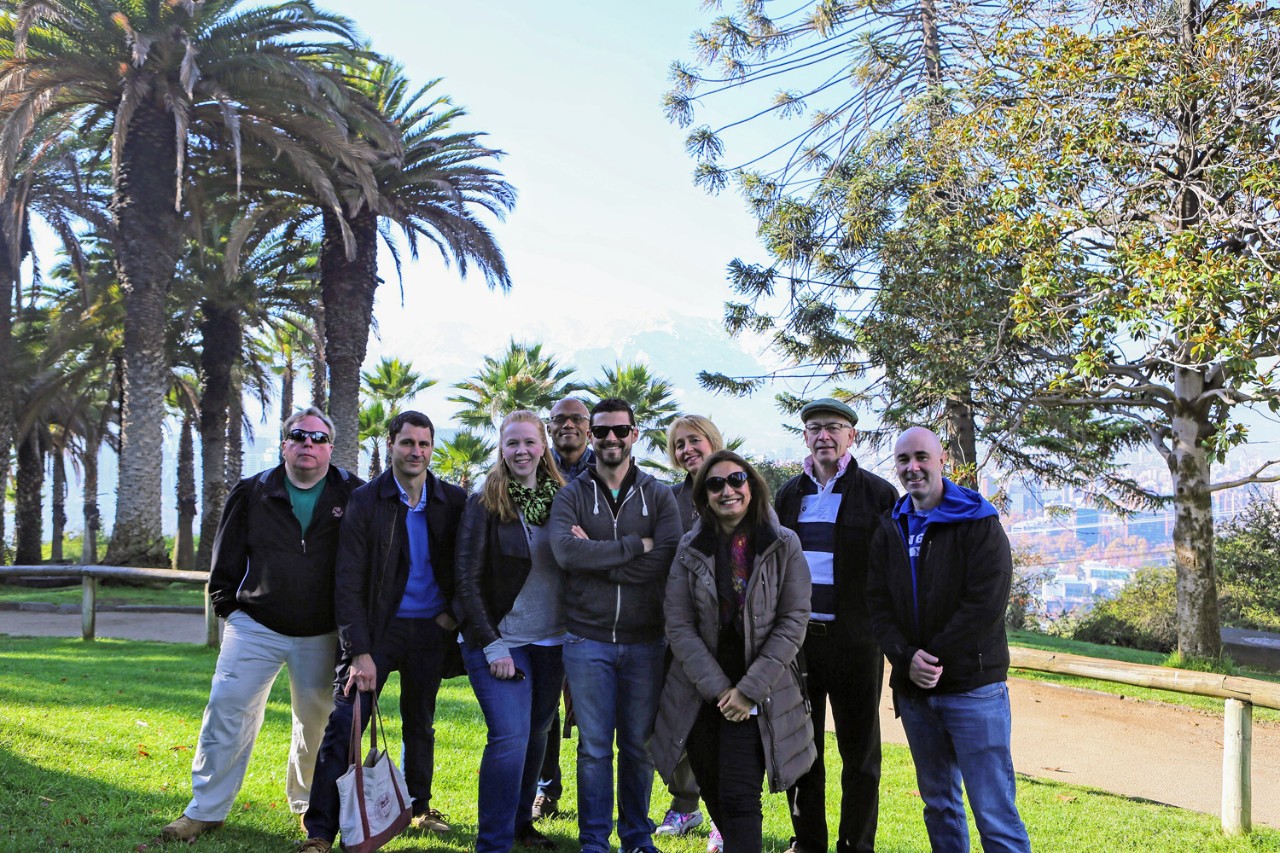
x=272 y=579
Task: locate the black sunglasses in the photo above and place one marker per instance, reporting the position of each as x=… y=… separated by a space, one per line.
x=715 y=485
x=301 y=435
x=619 y=431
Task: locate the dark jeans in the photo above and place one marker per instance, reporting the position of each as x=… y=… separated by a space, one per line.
x=850 y=675
x=549 y=781
x=728 y=762
x=416 y=648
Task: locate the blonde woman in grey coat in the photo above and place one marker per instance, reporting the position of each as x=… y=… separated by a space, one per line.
x=737 y=605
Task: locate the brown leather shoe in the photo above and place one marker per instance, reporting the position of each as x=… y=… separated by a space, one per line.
x=544 y=806
x=315 y=845
x=188 y=828
x=431 y=821
x=527 y=836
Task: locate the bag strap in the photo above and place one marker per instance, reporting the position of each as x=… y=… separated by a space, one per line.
x=355 y=757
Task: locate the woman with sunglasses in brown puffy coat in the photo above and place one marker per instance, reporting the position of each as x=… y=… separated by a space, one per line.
x=737 y=605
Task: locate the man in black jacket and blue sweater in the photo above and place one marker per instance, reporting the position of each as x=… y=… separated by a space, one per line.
x=938 y=590
x=395 y=585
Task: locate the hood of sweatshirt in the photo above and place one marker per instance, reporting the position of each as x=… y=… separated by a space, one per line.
x=958 y=504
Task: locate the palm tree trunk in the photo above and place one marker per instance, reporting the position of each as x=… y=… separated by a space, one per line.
x=220 y=333
x=231 y=473
x=319 y=369
x=92 y=516
x=375 y=459
x=348 y=286
x=7 y=426
x=286 y=387
x=28 y=516
x=184 y=557
x=144 y=209
x=58 y=520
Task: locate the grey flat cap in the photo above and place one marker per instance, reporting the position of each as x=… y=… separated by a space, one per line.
x=829 y=404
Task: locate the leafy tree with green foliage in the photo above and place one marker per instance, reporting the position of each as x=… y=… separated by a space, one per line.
x=1247 y=557
x=1142 y=616
x=1136 y=146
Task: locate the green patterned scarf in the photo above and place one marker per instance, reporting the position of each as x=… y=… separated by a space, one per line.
x=535 y=503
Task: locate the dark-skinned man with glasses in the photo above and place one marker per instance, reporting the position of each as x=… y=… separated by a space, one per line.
x=569 y=427
x=834 y=506
x=272 y=579
x=614 y=531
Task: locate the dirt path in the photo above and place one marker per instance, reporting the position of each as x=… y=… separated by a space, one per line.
x=1138 y=749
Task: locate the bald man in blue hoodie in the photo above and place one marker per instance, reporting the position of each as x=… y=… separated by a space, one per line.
x=937 y=591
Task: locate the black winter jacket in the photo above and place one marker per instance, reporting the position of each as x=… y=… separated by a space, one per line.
x=264 y=565
x=965 y=572
x=493 y=562
x=373 y=556
x=863 y=497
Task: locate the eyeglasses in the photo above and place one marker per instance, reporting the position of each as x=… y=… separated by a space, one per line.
x=818 y=429
x=301 y=435
x=618 y=430
x=561 y=420
x=715 y=485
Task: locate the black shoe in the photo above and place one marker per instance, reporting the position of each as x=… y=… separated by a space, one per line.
x=544 y=805
x=527 y=836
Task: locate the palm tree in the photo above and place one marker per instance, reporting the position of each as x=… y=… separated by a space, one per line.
x=461 y=460
x=521 y=378
x=184 y=399
x=392 y=382
x=436 y=188
x=649 y=395
x=373 y=429
x=160 y=76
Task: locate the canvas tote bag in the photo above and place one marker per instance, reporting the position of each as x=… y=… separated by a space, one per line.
x=375 y=801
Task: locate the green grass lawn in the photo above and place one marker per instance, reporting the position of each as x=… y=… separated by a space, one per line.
x=96 y=743
x=184 y=594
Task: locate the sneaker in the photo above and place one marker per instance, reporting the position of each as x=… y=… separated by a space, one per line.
x=315 y=845
x=431 y=821
x=715 y=841
x=544 y=805
x=647 y=848
x=188 y=828
x=678 y=823
x=527 y=836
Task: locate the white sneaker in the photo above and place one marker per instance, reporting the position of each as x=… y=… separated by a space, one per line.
x=715 y=841
x=678 y=823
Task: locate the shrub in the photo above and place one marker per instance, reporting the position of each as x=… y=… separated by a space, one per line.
x=1142 y=616
x=1247 y=559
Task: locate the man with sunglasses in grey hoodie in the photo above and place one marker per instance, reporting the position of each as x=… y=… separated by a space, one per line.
x=614 y=531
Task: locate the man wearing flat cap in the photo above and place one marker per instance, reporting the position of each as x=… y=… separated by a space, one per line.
x=834 y=506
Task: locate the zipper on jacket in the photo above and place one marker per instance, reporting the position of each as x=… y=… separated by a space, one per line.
x=617 y=608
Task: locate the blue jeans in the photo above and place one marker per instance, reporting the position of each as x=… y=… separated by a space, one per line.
x=615 y=688
x=518 y=714
x=955 y=736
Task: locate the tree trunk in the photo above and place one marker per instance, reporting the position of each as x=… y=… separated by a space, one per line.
x=92 y=517
x=962 y=439
x=220 y=333
x=235 y=432
x=184 y=555
x=319 y=369
x=58 y=518
x=286 y=386
x=348 y=287
x=28 y=516
x=1198 y=626
x=375 y=460
x=147 y=245
x=8 y=275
